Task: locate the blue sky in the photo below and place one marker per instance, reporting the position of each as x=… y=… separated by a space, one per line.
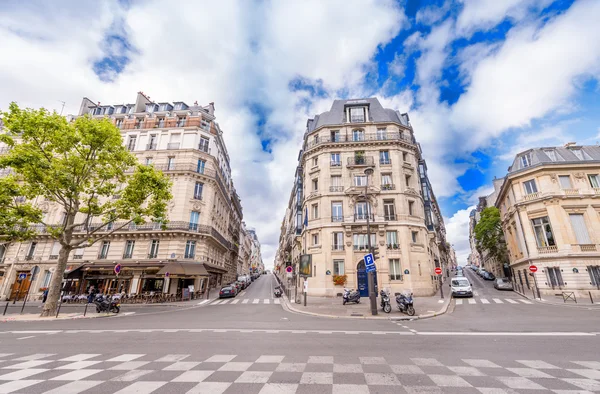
x=480 y=79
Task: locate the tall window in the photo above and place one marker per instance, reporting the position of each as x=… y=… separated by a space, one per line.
x=554 y=277
x=78 y=254
x=315 y=185
x=181 y=121
x=315 y=161
x=194 y=219
x=360 y=210
x=315 y=211
x=174 y=141
x=578 y=153
x=526 y=160
x=404 y=156
x=594 y=180
x=411 y=209
x=152 y=142
x=336 y=212
x=395 y=269
x=530 y=187
x=198 y=190
x=386 y=179
x=138 y=123
x=131 y=142
x=171 y=163
x=104 y=250
x=31 y=251
x=391 y=239
x=160 y=122
x=148 y=161
x=129 y=245
x=361 y=241
x=407 y=180
x=2 y=253
x=55 y=250
x=205 y=124
x=594 y=272
x=336 y=183
x=203 y=146
x=414 y=236
x=338 y=267
x=154 y=249
x=565 y=181
x=46 y=279
x=335 y=160
x=389 y=211
x=543 y=232
x=580 y=229
x=335 y=136
x=551 y=154
x=360 y=180
x=315 y=239
x=384 y=157
x=338 y=241
x=381 y=134
x=200 y=166
x=357 y=114
x=358 y=135
x=190 y=249
x=119 y=123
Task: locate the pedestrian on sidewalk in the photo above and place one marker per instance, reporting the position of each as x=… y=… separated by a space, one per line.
x=44 y=296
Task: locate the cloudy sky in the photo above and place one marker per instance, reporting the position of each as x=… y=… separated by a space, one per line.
x=481 y=79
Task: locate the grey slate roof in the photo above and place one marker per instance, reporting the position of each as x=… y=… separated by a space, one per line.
x=336 y=115
x=564 y=154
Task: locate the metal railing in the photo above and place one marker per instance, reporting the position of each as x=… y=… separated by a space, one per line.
x=337 y=218
x=361 y=161
x=389 y=217
x=336 y=189
x=385 y=161
x=337 y=247
x=336 y=164
x=53 y=257
x=362 y=216
x=388 y=186
x=349 y=138
x=154 y=123
x=151 y=147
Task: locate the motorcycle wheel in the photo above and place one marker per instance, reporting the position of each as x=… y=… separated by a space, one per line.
x=343 y=302
x=358 y=301
x=115 y=309
x=410 y=311
x=97 y=309
x=387 y=308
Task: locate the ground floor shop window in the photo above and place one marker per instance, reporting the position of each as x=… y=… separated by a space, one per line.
x=153 y=284
x=594 y=272
x=554 y=277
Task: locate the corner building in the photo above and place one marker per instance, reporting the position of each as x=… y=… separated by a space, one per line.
x=327 y=209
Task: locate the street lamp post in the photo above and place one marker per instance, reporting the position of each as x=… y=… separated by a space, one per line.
x=371 y=277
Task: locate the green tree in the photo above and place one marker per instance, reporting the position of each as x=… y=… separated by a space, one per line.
x=82 y=167
x=489 y=235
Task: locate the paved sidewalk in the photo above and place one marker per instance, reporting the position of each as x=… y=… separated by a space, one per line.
x=332 y=307
x=558 y=300
x=35 y=317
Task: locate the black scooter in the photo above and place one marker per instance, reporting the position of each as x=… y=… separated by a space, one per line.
x=103 y=304
x=405 y=304
x=277 y=292
x=385 y=301
x=351 y=296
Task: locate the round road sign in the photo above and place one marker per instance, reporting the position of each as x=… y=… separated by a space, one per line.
x=22 y=276
x=438 y=271
x=166 y=274
x=532 y=268
x=117 y=269
x=289 y=269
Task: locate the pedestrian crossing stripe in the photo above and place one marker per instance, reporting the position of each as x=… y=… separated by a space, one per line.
x=229 y=301
x=498 y=301
x=245 y=301
x=484 y=301
x=511 y=301
x=471 y=301
x=256 y=301
x=460 y=301
x=235 y=301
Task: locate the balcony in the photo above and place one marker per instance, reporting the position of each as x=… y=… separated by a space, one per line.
x=53 y=257
x=532 y=196
x=151 y=147
x=587 y=247
x=388 y=186
x=547 y=249
x=337 y=247
x=335 y=164
x=385 y=162
x=391 y=247
x=173 y=145
x=389 y=218
x=341 y=139
x=337 y=218
x=361 y=161
x=571 y=192
x=336 y=189
x=127 y=255
x=362 y=216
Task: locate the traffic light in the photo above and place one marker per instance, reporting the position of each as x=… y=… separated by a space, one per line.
x=375 y=252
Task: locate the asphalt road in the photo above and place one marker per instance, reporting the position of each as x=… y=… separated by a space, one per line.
x=253 y=345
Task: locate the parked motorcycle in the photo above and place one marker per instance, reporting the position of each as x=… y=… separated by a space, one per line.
x=385 y=301
x=350 y=296
x=103 y=304
x=277 y=292
x=405 y=303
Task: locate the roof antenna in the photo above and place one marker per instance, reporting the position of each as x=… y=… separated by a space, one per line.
x=63 y=106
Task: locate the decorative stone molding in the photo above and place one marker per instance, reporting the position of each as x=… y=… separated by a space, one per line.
x=579 y=176
x=553 y=177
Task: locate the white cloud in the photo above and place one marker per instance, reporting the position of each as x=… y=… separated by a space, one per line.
x=457 y=229
x=432 y=14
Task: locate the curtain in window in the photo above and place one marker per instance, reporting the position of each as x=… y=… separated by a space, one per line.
x=565 y=181
x=581 y=232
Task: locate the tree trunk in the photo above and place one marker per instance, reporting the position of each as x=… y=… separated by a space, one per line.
x=55 y=285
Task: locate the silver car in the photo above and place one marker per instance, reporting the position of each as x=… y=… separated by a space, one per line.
x=503 y=284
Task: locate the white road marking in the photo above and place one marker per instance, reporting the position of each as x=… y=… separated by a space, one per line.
x=440 y=301
x=472 y=301
x=484 y=301
x=510 y=301
x=267 y=301
x=217 y=302
x=235 y=301
x=526 y=302
x=80 y=357
x=276 y=301
x=126 y=357
x=459 y=302
x=243 y=293
x=256 y=301
x=141 y=388
x=171 y=358
x=31 y=336
x=498 y=301
x=203 y=302
x=224 y=302
x=245 y=301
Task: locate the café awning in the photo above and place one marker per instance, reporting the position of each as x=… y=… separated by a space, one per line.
x=183 y=269
x=73 y=271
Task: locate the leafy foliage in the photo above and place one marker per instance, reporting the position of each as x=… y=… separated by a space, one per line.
x=339 y=280
x=83 y=168
x=489 y=235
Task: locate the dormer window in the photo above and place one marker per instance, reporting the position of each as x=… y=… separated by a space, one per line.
x=551 y=154
x=205 y=124
x=165 y=107
x=578 y=153
x=357 y=114
x=180 y=106
x=526 y=160
x=150 y=108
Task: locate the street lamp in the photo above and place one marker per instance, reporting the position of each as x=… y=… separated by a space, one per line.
x=371 y=277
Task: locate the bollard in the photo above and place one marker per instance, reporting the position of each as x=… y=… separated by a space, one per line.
x=85 y=310
x=591 y=299
x=5 y=308
x=59 y=305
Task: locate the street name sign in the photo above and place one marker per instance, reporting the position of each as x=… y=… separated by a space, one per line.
x=438 y=271
x=533 y=268
x=370 y=263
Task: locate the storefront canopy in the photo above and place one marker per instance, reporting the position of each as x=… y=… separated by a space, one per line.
x=73 y=271
x=187 y=269
x=214 y=268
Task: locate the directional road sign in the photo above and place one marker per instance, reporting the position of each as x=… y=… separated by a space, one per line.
x=370 y=263
x=533 y=268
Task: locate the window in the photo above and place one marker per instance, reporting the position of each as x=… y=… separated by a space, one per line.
x=338 y=241
x=129 y=245
x=360 y=180
x=594 y=180
x=336 y=212
x=119 y=123
x=160 y=122
x=360 y=211
x=315 y=211
x=55 y=250
x=31 y=251
x=181 y=121
x=551 y=154
x=361 y=241
x=190 y=249
x=46 y=279
x=391 y=239
x=381 y=134
x=171 y=163
x=104 y=250
x=2 y=253
x=580 y=229
x=526 y=160
x=530 y=187
x=386 y=179
x=78 y=253
x=200 y=166
x=315 y=185
x=336 y=183
x=315 y=239
x=338 y=267
x=395 y=270
x=174 y=141
x=335 y=160
x=411 y=205
x=543 y=232
x=357 y=114
x=407 y=180
x=389 y=212
x=194 y=219
x=335 y=136
x=203 y=146
x=554 y=277
x=594 y=272
x=404 y=156
x=205 y=124
x=198 y=190
x=138 y=123
x=131 y=142
x=152 y=142
x=315 y=161
x=578 y=153
x=565 y=181
x=415 y=236
x=384 y=157
x=154 y=249
x=358 y=135
x=148 y=161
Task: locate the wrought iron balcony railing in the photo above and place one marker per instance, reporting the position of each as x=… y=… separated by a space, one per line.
x=337 y=218
x=340 y=139
x=362 y=216
x=361 y=161
x=336 y=189
x=388 y=186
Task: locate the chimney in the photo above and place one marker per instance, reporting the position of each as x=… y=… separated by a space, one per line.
x=569 y=144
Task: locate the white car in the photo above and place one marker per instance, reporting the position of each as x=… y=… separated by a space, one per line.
x=461 y=287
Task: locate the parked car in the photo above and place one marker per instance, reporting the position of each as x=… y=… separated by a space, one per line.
x=503 y=284
x=474 y=267
x=226 y=292
x=488 y=276
x=461 y=287
x=235 y=286
x=480 y=271
x=460 y=273
x=245 y=279
x=240 y=286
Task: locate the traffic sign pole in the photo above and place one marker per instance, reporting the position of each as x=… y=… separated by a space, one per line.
x=438 y=272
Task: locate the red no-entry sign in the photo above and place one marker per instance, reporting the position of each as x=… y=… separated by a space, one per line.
x=438 y=271
x=532 y=268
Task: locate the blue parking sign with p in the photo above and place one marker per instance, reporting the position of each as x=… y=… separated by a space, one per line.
x=369 y=262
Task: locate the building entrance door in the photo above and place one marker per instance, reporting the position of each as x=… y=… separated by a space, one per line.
x=20 y=287
x=362 y=278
